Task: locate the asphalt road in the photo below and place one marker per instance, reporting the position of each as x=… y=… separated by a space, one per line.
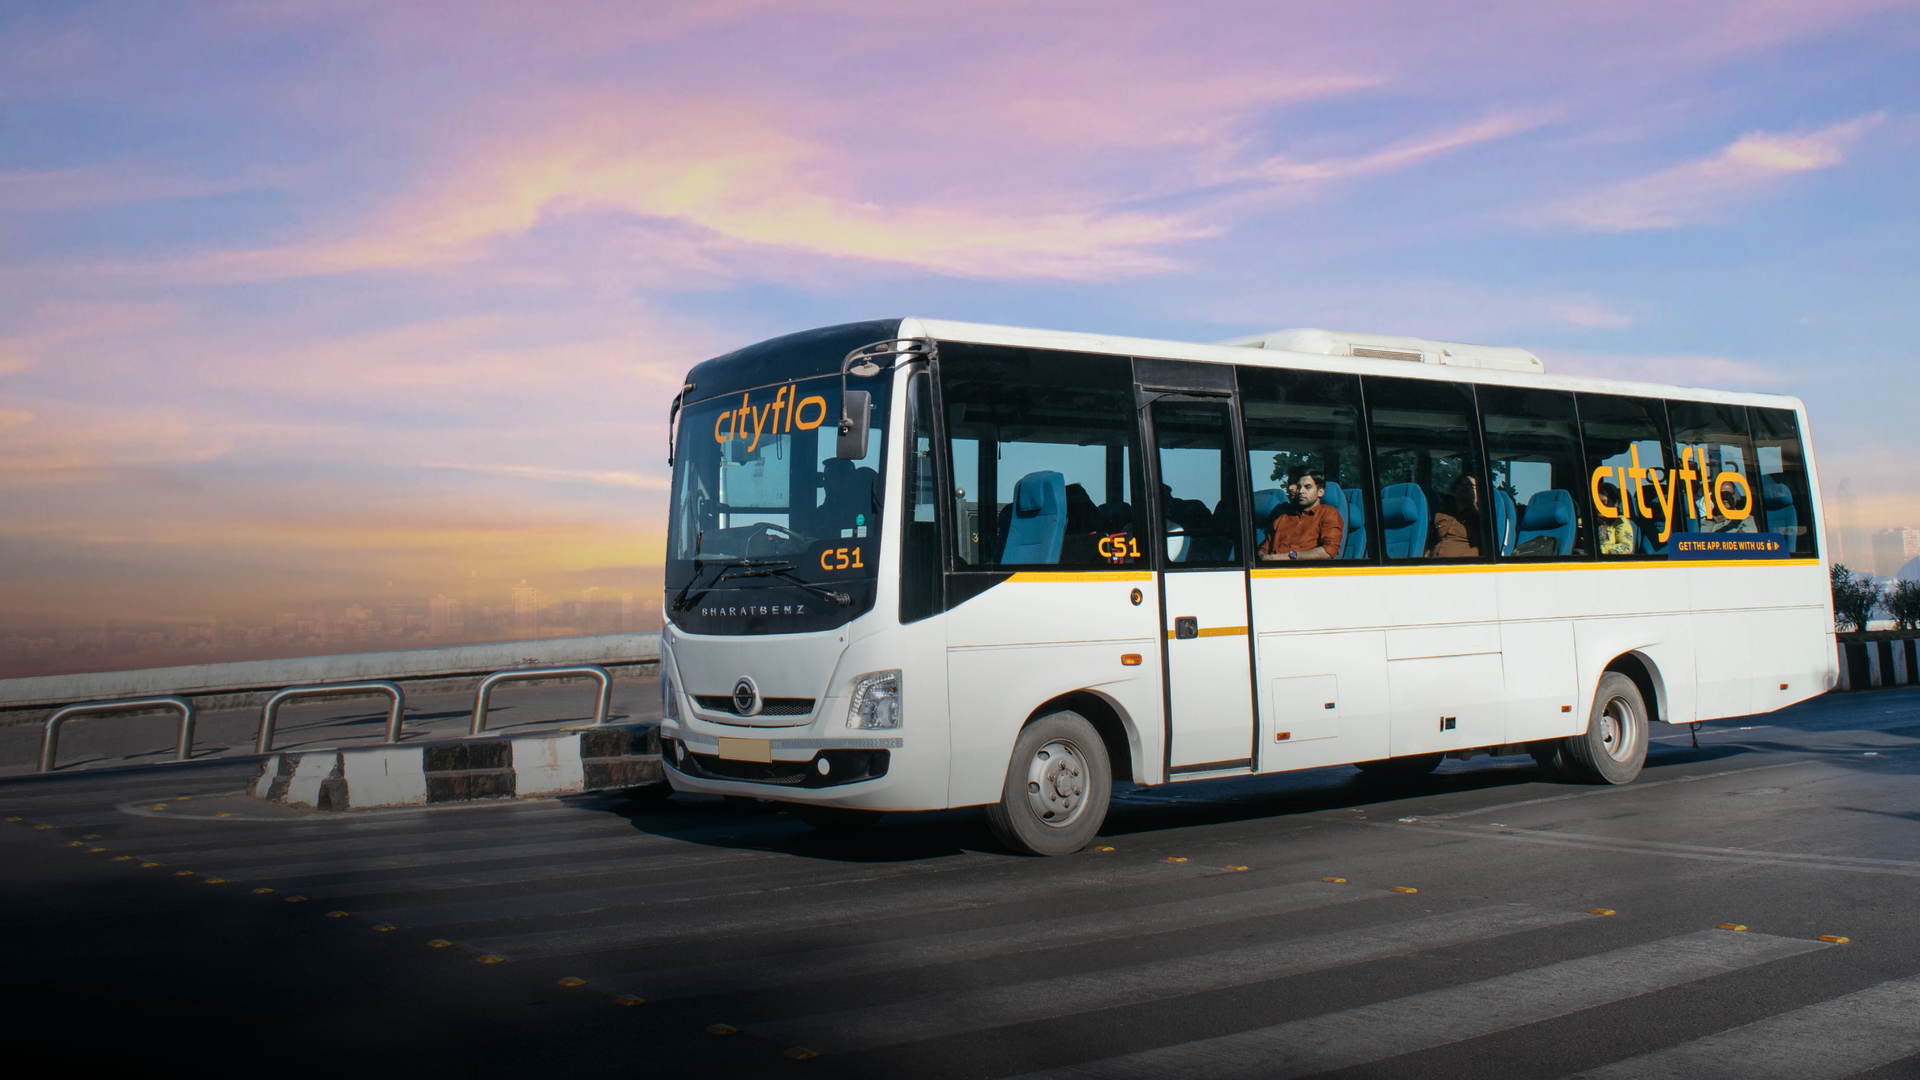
x=140 y=929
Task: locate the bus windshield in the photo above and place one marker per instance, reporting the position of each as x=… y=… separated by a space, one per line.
x=760 y=500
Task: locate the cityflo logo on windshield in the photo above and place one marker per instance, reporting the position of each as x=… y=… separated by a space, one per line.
x=785 y=414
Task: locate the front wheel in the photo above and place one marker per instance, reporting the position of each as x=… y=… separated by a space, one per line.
x=1615 y=744
x=1057 y=790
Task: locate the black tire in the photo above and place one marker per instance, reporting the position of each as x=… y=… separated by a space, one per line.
x=835 y=819
x=1059 y=784
x=1415 y=765
x=1615 y=745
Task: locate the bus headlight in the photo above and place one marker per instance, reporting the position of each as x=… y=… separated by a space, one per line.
x=669 y=700
x=876 y=701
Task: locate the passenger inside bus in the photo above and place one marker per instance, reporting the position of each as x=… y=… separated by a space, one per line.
x=1732 y=497
x=1305 y=526
x=1455 y=532
x=1617 y=535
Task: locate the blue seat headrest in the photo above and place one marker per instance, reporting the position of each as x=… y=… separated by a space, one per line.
x=1545 y=514
x=1030 y=494
x=1398 y=513
x=1777 y=496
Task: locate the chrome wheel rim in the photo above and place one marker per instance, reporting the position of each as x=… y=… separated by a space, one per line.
x=1619 y=729
x=1057 y=784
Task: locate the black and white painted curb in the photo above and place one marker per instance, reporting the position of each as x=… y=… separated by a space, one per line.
x=488 y=767
x=1874 y=664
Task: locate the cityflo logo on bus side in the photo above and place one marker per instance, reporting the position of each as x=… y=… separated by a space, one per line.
x=1632 y=483
x=785 y=414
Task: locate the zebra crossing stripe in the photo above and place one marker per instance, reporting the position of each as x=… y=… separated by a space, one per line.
x=979 y=1010
x=1833 y=1039
x=875 y=957
x=1424 y=1021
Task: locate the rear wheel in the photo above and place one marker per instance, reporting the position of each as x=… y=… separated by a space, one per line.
x=1615 y=745
x=837 y=819
x=1058 y=787
x=1416 y=765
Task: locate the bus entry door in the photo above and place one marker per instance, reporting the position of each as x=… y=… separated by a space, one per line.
x=1203 y=586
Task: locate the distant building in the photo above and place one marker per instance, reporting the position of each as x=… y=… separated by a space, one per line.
x=1892 y=548
x=445 y=617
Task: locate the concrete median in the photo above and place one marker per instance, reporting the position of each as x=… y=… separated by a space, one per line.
x=608 y=757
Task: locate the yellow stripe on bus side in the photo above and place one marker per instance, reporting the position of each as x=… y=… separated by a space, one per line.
x=1097 y=575
x=1519 y=568
x=1218 y=631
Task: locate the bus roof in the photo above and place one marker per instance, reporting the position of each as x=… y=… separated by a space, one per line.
x=1261 y=351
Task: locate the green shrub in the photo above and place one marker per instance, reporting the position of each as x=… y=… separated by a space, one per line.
x=1855 y=596
x=1903 y=604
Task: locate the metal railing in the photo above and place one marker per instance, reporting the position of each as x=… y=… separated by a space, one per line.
x=270 y=713
x=50 y=741
x=484 y=694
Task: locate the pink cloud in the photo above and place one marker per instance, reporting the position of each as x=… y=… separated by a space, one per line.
x=1708 y=188
x=1716 y=372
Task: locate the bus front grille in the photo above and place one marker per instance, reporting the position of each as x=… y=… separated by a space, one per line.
x=773 y=706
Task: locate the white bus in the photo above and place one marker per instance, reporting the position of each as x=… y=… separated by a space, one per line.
x=916 y=564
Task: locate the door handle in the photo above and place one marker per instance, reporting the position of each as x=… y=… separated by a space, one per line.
x=1186 y=626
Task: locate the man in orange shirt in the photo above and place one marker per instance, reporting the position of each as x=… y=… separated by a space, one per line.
x=1305 y=527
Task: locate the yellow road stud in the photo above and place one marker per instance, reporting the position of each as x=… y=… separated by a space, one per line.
x=91 y=836
x=439 y=943
x=1730 y=926
x=158 y=806
x=42 y=828
x=75 y=843
x=1096 y=849
x=96 y=850
x=722 y=1029
x=491 y=959
x=261 y=892
x=573 y=980
x=1600 y=911
x=1176 y=858
x=382 y=928
x=123 y=858
x=183 y=873
x=180 y=798
x=216 y=881
x=799 y=1053
x=1834 y=939
x=339 y=914
x=629 y=999
x=16 y=817
x=148 y=865
x=1404 y=889
x=1335 y=880
x=223 y=813
x=1236 y=869
x=296 y=899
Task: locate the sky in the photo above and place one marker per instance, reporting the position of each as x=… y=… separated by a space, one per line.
x=298 y=298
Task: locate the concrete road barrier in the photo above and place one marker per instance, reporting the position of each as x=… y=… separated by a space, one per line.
x=1873 y=664
x=459 y=770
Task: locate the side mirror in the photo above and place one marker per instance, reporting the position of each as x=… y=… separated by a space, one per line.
x=854 y=407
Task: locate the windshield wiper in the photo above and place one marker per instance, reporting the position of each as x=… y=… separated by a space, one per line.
x=784 y=571
x=680 y=602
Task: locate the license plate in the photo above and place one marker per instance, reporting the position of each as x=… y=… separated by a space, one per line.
x=746 y=750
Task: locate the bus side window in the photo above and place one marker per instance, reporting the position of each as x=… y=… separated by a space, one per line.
x=1785 y=499
x=1626 y=440
x=1426 y=459
x=1306 y=423
x=1711 y=442
x=1045 y=458
x=1539 y=495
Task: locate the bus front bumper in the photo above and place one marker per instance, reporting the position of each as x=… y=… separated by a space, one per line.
x=852 y=772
